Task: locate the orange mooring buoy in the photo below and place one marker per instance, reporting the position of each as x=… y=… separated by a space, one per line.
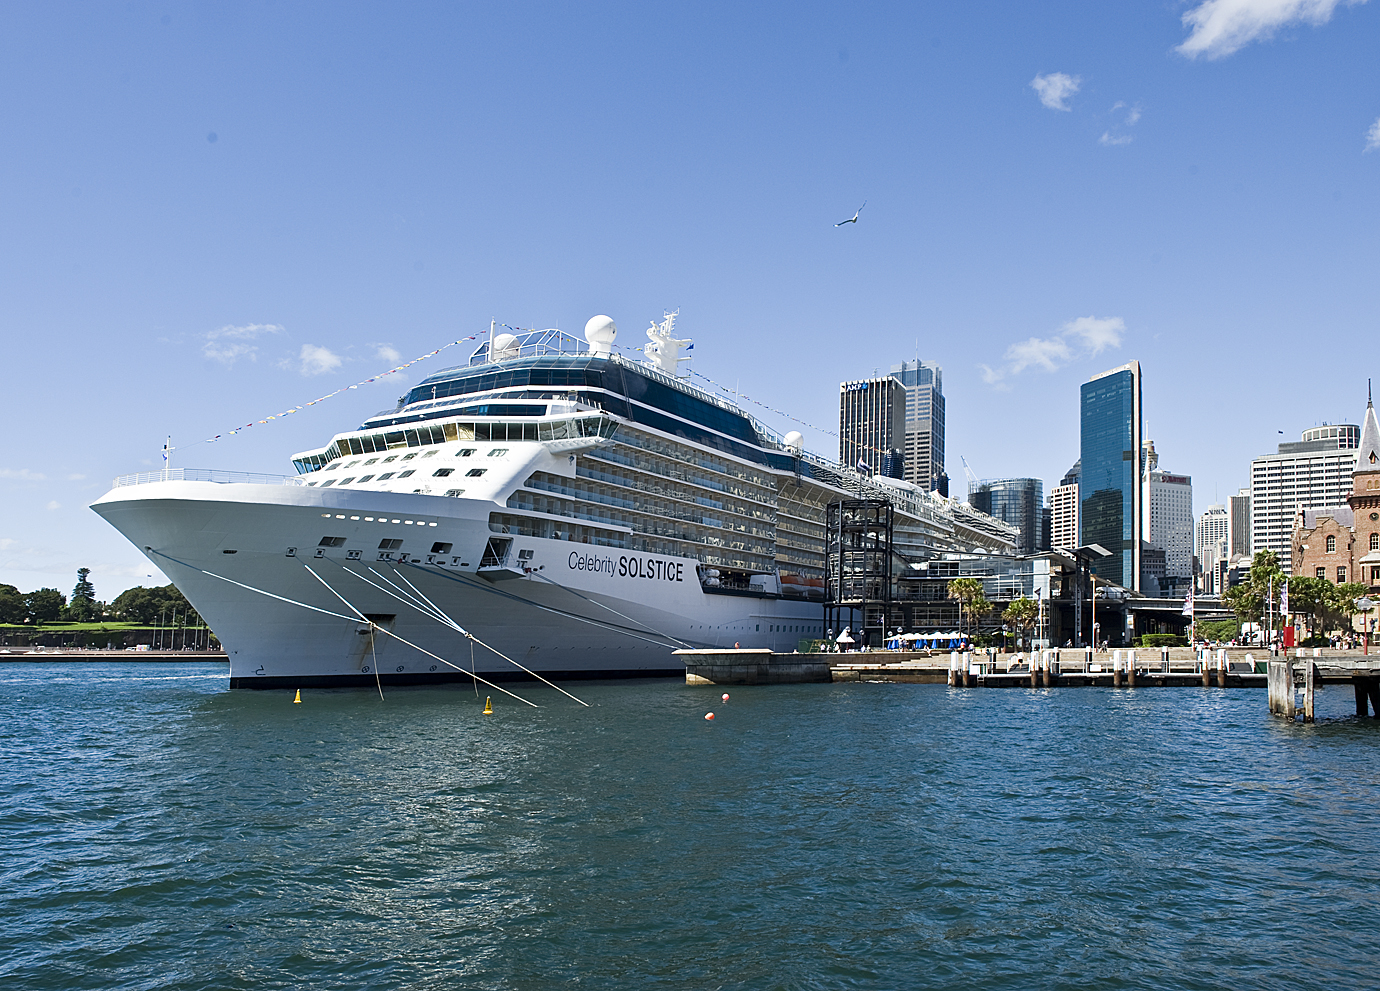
x=725 y=696
x=709 y=715
x=298 y=698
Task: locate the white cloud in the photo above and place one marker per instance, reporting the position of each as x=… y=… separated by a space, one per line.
x=230 y=343
x=1080 y=338
x=1048 y=353
x=1115 y=134
x=318 y=360
x=1373 y=136
x=1108 y=138
x=1097 y=335
x=1220 y=27
x=22 y=475
x=387 y=353
x=1055 y=89
x=54 y=504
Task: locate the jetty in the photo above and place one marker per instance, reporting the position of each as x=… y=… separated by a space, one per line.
x=1067 y=667
x=48 y=655
x=1295 y=681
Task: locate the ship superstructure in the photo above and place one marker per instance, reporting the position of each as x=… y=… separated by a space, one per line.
x=581 y=512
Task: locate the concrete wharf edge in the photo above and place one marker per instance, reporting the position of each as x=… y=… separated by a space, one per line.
x=49 y=656
x=764 y=667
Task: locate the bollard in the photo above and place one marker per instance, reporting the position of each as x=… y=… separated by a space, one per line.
x=1044 y=668
x=1131 y=668
x=967 y=670
x=1117 y=677
x=1034 y=668
x=1205 y=663
x=953 y=669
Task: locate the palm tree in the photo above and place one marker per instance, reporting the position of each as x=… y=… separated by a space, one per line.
x=972 y=601
x=1021 y=614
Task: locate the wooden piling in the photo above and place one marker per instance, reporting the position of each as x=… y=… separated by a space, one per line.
x=1373 y=690
x=1034 y=669
x=1205 y=661
x=1118 y=679
x=1359 y=685
x=1310 y=681
x=1131 y=668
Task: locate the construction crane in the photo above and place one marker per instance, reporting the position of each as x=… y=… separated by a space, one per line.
x=972 y=479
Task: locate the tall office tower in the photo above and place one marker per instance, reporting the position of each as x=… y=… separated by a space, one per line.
x=1018 y=501
x=1063 y=510
x=872 y=422
x=924 y=446
x=1171 y=521
x=1312 y=473
x=1240 y=542
x=1213 y=526
x=1110 y=490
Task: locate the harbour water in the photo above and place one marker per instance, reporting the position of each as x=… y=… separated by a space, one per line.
x=158 y=831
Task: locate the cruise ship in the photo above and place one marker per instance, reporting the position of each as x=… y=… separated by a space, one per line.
x=550 y=508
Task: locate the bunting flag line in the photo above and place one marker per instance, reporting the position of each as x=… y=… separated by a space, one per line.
x=343 y=388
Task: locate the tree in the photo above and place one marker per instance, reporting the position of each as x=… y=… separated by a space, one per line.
x=1249 y=599
x=1021 y=614
x=1308 y=597
x=12 y=607
x=44 y=605
x=1340 y=606
x=146 y=606
x=972 y=600
x=83 y=604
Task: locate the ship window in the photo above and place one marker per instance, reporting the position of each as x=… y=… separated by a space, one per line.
x=405 y=473
x=371 y=461
x=440 y=548
x=430 y=454
x=331 y=542
x=389 y=545
x=352 y=464
x=347 y=481
x=464 y=452
x=475 y=472
x=441 y=472
x=391 y=457
x=386 y=474
x=328 y=483
x=332 y=467
x=498 y=452
x=310 y=483
x=454 y=494
x=365 y=478
x=409 y=457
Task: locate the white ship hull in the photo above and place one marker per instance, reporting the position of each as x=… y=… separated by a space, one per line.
x=244 y=555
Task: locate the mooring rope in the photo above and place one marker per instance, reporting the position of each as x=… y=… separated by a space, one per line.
x=350 y=619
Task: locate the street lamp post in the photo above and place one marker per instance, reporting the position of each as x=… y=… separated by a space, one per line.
x=1365 y=605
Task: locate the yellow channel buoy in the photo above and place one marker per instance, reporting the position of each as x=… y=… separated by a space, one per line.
x=488 y=705
x=298 y=699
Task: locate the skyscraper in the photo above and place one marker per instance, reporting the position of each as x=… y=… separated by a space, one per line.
x=924 y=443
x=1171 y=521
x=1018 y=501
x=872 y=423
x=1311 y=473
x=1110 y=490
x=1240 y=543
x=1063 y=510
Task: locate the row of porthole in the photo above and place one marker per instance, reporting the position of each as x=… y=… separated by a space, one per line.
x=381 y=519
x=365 y=669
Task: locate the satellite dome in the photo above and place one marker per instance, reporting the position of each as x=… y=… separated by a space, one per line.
x=600 y=332
x=794 y=441
x=505 y=346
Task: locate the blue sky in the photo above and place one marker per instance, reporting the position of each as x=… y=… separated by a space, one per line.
x=214 y=212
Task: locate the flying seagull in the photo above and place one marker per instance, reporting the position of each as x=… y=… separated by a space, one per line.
x=853 y=219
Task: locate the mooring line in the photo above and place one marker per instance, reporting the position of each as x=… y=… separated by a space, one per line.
x=485 y=586
x=461 y=629
x=601 y=605
x=373 y=654
x=349 y=619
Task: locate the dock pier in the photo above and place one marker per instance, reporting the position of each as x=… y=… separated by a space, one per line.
x=1295 y=681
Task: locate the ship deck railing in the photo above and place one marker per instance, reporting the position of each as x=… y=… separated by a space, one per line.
x=205 y=475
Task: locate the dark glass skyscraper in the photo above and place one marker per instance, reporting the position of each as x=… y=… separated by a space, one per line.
x=1018 y=501
x=1111 y=510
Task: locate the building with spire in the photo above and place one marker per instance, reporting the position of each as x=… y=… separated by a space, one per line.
x=1342 y=543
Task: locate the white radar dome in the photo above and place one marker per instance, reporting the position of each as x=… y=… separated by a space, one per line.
x=600 y=332
x=794 y=441
x=505 y=346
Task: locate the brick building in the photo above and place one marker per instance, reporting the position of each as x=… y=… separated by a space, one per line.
x=1342 y=544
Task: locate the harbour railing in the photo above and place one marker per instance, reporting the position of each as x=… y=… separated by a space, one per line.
x=205 y=475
